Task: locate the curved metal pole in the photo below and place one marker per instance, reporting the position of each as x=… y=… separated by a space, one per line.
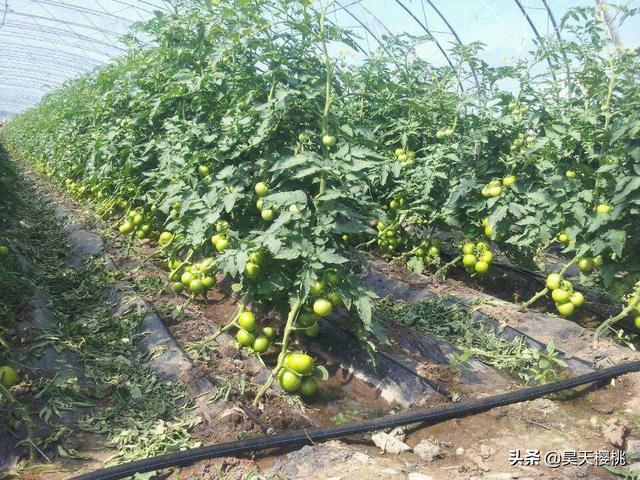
x=537 y=34
x=455 y=35
x=552 y=18
x=362 y=24
x=424 y=27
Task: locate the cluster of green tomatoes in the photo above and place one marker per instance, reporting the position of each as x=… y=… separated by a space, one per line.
x=563 y=294
x=137 y=223
x=268 y=214
x=198 y=278
x=444 y=133
x=405 y=157
x=517 y=110
x=494 y=187
x=476 y=257
x=247 y=335
x=521 y=143
x=389 y=237
x=296 y=375
x=428 y=250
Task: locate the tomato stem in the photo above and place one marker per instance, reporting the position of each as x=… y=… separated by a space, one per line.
x=209 y=339
x=534 y=299
x=184 y=305
x=288 y=328
x=24 y=416
x=442 y=271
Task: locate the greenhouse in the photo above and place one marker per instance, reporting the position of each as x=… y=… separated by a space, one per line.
x=319 y=239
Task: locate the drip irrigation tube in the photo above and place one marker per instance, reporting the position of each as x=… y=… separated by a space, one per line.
x=300 y=437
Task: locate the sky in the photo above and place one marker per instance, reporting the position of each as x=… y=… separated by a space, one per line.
x=45 y=42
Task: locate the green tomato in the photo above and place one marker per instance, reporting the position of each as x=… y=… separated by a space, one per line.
x=560 y=296
x=482 y=246
x=585 y=264
x=247 y=321
x=252 y=270
x=260 y=344
x=333 y=277
x=577 y=299
x=208 y=281
x=604 y=208
x=196 y=286
x=126 y=227
x=636 y=322
x=8 y=376
x=269 y=332
x=222 y=244
x=306 y=319
x=245 y=338
x=570 y=174
x=488 y=231
x=469 y=260
x=187 y=278
x=289 y=381
x=398 y=152
x=486 y=256
x=563 y=238
x=495 y=191
x=308 y=387
x=565 y=309
x=259 y=203
x=261 y=189
x=165 y=238
x=258 y=257
x=267 y=214
x=553 y=281
x=203 y=170
x=334 y=298
x=177 y=286
x=4 y=251
x=138 y=219
x=468 y=248
x=481 y=267
x=300 y=363
x=328 y=140
x=317 y=287
x=322 y=307
x=509 y=180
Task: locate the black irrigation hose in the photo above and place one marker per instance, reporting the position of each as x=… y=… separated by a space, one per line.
x=312 y=435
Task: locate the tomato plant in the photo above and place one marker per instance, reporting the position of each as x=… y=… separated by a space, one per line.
x=229 y=135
